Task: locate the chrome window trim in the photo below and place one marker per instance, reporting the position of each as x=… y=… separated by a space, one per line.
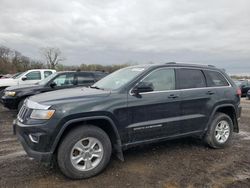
x=167 y=91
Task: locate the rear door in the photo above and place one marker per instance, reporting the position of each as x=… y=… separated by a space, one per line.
x=196 y=99
x=155 y=114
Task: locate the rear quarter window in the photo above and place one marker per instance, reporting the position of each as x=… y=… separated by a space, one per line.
x=215 y=79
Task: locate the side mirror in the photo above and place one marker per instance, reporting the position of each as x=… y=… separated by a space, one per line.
x=243 y=86
x=24 y=78
x=143 y=87
x=52 y=85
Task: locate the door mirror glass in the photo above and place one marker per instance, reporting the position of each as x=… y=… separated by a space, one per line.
x=143 y=87
x=24 y=78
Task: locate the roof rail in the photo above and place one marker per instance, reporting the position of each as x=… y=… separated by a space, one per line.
x=210 y=65
x=171 y=63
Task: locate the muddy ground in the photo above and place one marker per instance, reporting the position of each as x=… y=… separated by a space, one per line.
x=179 y=163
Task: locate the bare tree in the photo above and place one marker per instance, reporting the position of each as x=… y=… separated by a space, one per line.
x=4 y=53
x=53 y=56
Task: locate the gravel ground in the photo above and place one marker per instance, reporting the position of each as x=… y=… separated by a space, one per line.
x=178 y=163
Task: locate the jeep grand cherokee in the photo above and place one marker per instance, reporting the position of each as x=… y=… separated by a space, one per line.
x=81 y=127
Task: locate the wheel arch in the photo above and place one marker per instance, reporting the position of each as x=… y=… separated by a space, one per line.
x=228 y=109
x=103 y=122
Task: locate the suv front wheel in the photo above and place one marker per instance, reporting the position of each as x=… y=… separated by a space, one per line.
x=84 y=152
x=220 y=132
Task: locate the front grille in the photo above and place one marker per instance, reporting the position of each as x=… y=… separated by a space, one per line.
x=23 y=113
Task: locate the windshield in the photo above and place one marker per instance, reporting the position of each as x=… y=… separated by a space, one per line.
x=47 y=79
x=118 y=78
x=20 y=75
x=16 y=75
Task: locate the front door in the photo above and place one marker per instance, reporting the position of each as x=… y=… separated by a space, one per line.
x=31 y=78
x=154 y=114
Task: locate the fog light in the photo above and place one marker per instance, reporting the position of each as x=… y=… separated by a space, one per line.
x=34 y=138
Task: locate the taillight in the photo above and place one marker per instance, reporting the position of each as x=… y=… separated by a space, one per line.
x=238 y=92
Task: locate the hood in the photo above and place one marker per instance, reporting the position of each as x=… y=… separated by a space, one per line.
x=23 y=87
x=69 y=95
x=8 y=82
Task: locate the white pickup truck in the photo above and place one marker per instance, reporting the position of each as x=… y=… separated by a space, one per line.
x=29 y=77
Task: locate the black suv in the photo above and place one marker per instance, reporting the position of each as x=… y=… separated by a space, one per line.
x=81 y=127
x=14 y=96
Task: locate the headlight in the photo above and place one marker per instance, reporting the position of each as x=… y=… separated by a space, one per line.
x=41 y=114
x=10 y=93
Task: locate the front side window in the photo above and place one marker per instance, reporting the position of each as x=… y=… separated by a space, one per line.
x=161 y=80
x=191 y=78
x=215 y=79
x=64 y=80
x=35 y=75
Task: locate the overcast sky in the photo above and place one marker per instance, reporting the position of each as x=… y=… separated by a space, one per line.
x=120 y=31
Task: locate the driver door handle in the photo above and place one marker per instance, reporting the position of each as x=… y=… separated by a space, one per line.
x=173 y=96
x=210 y=92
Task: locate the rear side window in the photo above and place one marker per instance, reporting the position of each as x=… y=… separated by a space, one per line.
x=191 y=78
x=47 y=73
x=100 y=75
x=85 y=78
x=35 y=75
x=215 y=79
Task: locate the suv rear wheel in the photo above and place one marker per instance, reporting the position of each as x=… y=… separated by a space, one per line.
x=220 y=132
x=84 y=152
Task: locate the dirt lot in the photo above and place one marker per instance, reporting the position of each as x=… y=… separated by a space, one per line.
x=179 y=163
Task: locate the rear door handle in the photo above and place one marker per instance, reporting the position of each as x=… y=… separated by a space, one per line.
x=173 y=96
x=210 y=92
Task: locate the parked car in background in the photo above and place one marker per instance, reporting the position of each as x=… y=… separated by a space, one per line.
x=10 y=75
x=248 y=94
x=29 y=77
x=14 y=96
x=244 y=85
x=79 y=128
x=16 y=75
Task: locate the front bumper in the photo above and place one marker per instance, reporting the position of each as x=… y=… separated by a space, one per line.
x=35 y=148
x=10 y=102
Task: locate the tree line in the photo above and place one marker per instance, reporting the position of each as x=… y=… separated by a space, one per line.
x=12 y=61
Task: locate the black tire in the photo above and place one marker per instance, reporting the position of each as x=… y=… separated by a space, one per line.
x=66 y=146
x=210 y=137
x=20 y=104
